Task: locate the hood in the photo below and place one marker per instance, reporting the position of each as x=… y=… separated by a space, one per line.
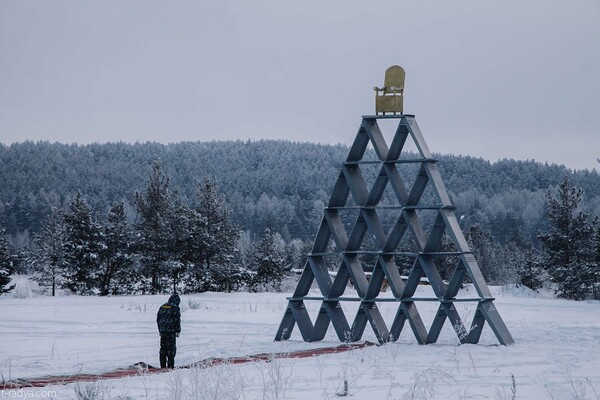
x=174 y=299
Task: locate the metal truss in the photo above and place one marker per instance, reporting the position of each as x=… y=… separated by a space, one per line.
x=351 y=193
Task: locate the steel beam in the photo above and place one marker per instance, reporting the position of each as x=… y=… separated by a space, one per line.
x=350 y=182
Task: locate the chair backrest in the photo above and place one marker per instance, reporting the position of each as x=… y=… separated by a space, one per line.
x=394 y=79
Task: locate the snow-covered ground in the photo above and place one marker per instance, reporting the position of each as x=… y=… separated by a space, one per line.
x=556 y=355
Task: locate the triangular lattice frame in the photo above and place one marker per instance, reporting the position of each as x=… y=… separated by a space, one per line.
x=351 y=185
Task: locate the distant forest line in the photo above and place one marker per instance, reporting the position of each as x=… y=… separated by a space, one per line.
x=273 y=184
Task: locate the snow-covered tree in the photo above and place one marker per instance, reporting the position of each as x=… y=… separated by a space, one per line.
x=295 y=253
x=269 y=263
x=50 y=257
x=180 y=225
x=6 y=263
x=219 y=234
x=211 y=239
x=156 y=227
x=596 y=262
x=83 y=246
x=116 y=258
x=530 y=273
x=233 y=272
x=568 y=243
x=481 y=243
x=244 y=246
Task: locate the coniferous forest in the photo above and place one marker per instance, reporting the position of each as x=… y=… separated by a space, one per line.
x=196 y=216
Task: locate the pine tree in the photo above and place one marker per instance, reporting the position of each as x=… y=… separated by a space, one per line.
x=82 y=247
x=481 y=243
x=244 y=248
x=180 y=232
x=296 y=253
x=156 y=227
x=269 y=263
x=596 y=263
x=211 y=240
x=116 y=258
x=567 y=243
x=51 y=246
x=594 y=266
x=530 y=272
x=519 y=251
x=6 y=263
x=234 y=273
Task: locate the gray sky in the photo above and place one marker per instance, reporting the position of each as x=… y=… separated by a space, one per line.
x=496 y=79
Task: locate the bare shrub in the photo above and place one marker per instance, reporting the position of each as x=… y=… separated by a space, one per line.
x=98 y=390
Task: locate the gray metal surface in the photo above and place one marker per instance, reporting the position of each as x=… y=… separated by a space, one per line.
x=368 y=281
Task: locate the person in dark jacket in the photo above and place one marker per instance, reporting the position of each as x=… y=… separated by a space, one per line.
x=168 y=320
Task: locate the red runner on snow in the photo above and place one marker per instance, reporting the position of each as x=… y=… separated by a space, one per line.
x=142 y=368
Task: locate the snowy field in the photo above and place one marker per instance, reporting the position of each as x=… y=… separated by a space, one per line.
x=556 y=355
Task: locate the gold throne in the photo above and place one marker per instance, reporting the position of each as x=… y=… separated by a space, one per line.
x=391 y=98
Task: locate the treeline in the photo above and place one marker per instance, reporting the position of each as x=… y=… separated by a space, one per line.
x=266 y=184
x=570 y=256
x=109 y=219
x=171 y=246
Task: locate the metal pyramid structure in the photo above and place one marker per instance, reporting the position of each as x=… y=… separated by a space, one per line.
x=361 y=239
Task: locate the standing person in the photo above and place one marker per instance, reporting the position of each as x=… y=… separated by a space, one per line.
x=168 y=320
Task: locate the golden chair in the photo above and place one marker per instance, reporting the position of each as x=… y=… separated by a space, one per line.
x=391 y=98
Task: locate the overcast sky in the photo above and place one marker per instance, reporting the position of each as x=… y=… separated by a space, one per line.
x=495 y=79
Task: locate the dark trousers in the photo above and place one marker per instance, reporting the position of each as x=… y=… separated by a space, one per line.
x=168 y=349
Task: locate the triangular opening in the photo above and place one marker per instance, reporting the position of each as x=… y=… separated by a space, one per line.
x=466 y=311
x=406 y=176
x=388 y=128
